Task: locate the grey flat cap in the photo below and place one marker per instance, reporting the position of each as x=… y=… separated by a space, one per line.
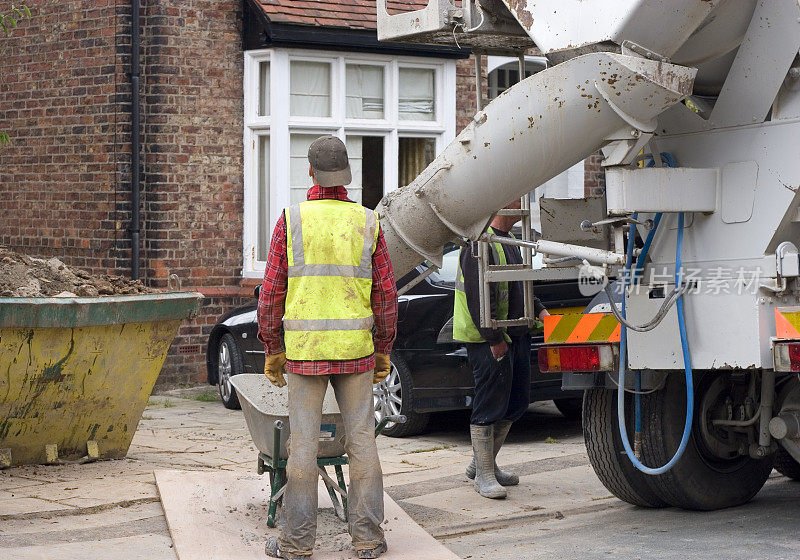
x=328 y=158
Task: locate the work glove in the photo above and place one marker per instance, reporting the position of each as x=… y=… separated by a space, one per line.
x=273 y=368
x=382 y=367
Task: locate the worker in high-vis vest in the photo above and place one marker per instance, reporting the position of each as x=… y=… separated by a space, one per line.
x=329 y=283
x=500 y=358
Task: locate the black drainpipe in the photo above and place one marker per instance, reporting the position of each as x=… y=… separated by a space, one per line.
x=135 y=43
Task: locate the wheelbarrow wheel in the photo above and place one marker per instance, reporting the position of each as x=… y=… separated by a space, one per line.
x=392 y=396
x=229 y=363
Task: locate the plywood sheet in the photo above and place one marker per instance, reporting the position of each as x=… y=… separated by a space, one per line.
x=222 y=516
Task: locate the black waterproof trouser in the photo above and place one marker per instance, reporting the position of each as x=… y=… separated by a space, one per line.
x=502 y=387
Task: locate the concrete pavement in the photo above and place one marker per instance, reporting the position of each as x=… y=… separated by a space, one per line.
x=559 y=510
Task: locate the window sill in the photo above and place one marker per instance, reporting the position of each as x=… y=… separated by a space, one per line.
x=244 y=289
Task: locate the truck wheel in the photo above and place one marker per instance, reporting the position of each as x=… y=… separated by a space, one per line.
x=712 y=473
x=786 y=464
x=606 y=454
x=393 y=396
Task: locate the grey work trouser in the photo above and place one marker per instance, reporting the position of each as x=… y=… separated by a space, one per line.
x=365 y=494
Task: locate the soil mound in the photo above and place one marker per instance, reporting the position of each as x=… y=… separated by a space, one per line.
x=24 y=276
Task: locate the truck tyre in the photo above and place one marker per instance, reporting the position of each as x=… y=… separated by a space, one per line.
x=606 y=453
x=701 y=479
x=786 y=464
x=393 y=396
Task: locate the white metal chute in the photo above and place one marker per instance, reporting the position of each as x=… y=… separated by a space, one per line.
x=528 y=135
x=661 y=27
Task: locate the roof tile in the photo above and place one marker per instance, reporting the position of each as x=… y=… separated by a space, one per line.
x=353 y=14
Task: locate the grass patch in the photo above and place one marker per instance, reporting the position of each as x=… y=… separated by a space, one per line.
x=147 y=417
x=434 y=448
x=168 y=403
x=208 y=395
x=549 y=439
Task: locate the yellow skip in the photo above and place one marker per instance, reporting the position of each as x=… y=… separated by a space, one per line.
x=71 y=386
x=76 y=373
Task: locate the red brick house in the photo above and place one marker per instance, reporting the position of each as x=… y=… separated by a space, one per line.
x=231 y=94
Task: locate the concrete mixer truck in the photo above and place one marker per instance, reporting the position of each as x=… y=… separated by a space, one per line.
x=690 y=360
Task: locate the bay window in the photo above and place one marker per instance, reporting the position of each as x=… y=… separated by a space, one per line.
x=393 y=113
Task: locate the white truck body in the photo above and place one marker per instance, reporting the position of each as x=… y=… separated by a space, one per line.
x=621 y=74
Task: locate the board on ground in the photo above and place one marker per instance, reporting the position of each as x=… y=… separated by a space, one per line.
x=223 y=516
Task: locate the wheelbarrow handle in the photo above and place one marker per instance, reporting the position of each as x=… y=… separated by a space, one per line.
x=276 y=441
x=396 y=418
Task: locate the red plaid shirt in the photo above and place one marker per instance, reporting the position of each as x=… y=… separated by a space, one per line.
x=273 y=295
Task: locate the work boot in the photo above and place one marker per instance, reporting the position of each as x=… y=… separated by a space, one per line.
x=482 y=442
x=373 y=552
x=504 y=478
x=271 y=550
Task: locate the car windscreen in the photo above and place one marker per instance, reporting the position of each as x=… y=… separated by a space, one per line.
x=446 y=276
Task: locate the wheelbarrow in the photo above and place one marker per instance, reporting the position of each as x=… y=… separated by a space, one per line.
x=266 y=412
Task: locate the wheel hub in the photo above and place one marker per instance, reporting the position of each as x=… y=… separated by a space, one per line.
x=224 y=371
x=724 y=399
x=387 y=397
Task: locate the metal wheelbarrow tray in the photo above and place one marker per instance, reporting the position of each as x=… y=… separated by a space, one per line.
x=76 y=373
x=263 y=404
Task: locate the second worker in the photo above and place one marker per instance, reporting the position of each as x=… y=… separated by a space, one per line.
x=500 y=358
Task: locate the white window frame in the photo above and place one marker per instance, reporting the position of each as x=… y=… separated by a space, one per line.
x=279 y=124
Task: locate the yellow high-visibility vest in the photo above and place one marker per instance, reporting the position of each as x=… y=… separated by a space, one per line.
x=328 y=312
x=464 y=329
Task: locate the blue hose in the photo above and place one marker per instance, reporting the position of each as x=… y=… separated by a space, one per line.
x=669 y=161
x=623 y=347
x=635 y=279
x=637 y=271
x=649 y=161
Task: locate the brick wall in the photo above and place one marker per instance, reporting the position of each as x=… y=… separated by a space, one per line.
x=64 y=182
x=192 y=162
x=594 y=176
x=465 y=91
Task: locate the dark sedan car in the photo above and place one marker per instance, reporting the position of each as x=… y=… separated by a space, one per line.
x=429 y=372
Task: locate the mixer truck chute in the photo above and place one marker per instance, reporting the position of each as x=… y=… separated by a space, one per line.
x=709 y=91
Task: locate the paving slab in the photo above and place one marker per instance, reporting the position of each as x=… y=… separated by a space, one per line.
x=24 y=505
x=16 y=529
x=140 y=547
x=216 y=515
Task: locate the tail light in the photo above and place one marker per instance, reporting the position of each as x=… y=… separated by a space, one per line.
x=787 y=356
x=577 y=358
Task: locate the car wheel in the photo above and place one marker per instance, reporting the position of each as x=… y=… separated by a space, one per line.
x=393 y=396
x=229 y=363
x=570 y=408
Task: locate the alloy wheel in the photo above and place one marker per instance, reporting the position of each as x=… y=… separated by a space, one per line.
x=387 y=396
x=224 y=369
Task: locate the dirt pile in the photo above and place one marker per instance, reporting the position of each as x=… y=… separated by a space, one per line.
x=24 y=276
